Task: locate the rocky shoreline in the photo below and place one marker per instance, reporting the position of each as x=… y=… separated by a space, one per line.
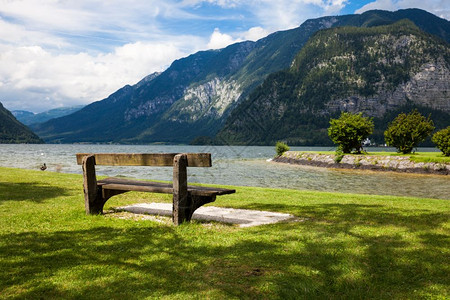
x=363 y=162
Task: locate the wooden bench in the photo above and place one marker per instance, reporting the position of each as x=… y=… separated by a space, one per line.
x=186 y=199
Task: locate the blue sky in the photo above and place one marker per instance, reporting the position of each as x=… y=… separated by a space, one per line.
x=56 y=53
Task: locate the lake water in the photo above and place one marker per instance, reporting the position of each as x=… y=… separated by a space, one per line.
x=235 y=165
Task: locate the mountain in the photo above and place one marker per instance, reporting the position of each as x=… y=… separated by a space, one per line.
x=195 y=95
x=379 y=71
x=22 y=115
x=14 y=132
x=28 y=118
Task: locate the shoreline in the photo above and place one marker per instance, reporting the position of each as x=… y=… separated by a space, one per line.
x=401 y=164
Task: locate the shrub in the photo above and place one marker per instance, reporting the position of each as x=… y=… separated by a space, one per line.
x=338 y=157
x=442 y=140
x=349 y=131
x=405 y=132
x=280 y=148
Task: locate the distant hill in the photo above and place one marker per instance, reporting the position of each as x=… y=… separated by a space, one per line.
x=193 y=98
x=28 y=118
x=379 y=71
x=13 y=132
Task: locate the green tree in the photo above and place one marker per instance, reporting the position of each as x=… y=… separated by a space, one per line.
x=281 y=147
x=442 y=140
x=349 y=130
x=406 y=131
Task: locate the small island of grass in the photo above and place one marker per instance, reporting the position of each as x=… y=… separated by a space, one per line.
x=419 y=162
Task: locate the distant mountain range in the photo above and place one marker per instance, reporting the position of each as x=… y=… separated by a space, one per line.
x=28 y=117
x=12 y=131
x=278 y=88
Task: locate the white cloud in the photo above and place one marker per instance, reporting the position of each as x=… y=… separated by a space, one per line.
x=255 y=33
x=220 y=40
x=378 y=4
x=221 y=3
x=19 y=35
x=286 y=14
x=39 y=78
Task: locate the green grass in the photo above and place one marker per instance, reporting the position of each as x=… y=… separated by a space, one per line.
x=344 y=246
x=436 y=157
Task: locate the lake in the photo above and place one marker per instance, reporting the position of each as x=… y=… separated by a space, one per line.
x=235 y=165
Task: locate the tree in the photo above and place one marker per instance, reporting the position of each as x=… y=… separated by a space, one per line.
x=442 y=140
x=281 y=147
x=407 y=131
x=349 y=131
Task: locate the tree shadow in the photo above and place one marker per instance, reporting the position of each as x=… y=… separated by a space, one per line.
x=29 y=191
x=354 y=214
x=322 y=258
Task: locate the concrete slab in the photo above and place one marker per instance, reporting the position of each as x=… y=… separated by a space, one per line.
x=242 y=217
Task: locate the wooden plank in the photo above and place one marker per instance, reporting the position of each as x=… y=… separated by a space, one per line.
x=207 y=191
x=138 y=188
x=146 y=159
x=113 y=183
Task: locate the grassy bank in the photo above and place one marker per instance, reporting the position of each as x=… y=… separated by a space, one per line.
x=434 y=157
x=343 y=246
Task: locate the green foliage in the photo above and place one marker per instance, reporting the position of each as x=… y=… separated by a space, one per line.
x=349 y=131
x=281 y=147
x=442 y=140
x=407 y=131
x=339 y=156
x=441 y=119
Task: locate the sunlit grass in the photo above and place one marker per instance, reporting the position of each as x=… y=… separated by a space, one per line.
x=342 y=246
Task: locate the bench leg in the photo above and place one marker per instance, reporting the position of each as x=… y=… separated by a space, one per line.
x=184 y=204
x=94 y=206
x=93 y=198
x=184 y=212
x=180 y=204
x=196 y=202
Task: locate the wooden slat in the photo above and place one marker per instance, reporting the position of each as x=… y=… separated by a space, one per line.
x=146 y=159
x=121 y=184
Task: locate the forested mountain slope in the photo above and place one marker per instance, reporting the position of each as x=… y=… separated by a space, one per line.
x=13 y=132
x=195 y=95
x=378 y=71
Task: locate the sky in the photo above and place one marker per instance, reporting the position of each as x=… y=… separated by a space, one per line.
x=60 y=53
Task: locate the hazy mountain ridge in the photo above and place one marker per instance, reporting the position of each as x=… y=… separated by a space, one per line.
x=28 y=118
x=195 y=95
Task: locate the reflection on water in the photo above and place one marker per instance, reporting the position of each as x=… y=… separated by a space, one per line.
x=245 y=166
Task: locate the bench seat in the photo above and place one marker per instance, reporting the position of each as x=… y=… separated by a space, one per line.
x=121 y=184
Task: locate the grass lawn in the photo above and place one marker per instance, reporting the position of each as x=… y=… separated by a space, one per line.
x=344 y=246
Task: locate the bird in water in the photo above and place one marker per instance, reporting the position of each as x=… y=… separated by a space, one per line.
x=44 y=167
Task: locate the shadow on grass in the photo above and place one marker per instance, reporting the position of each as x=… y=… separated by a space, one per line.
x=326 y=257
x=354 y=214
x=29 y=191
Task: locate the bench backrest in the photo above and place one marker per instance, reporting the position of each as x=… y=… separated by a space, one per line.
x=146 y=159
